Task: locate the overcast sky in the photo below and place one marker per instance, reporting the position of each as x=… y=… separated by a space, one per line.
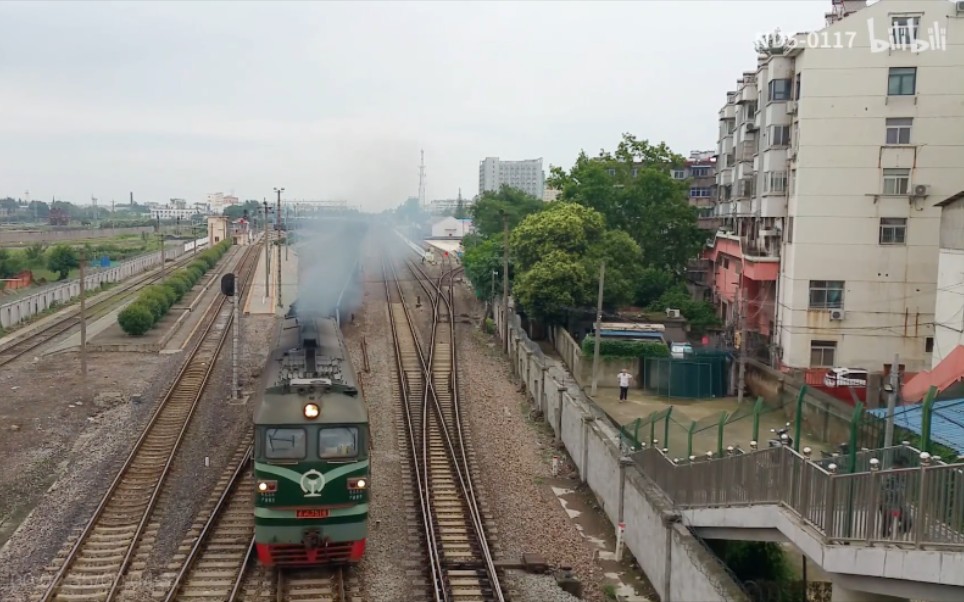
x=335 y=100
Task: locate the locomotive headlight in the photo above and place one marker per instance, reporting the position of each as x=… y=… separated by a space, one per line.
x=357 y=484
x=267 y=486
x=311 y=411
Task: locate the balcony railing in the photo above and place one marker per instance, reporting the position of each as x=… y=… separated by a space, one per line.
x=855 y=507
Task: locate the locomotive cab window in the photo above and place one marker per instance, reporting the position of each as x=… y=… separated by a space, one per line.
x=285 y=444
x=338 y=442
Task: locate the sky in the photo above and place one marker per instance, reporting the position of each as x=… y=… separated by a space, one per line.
x=334 y=101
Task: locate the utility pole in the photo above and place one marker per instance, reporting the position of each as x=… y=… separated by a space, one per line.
x=160 y=238
x=236 y=342
x=892 y=401
x=83 y=322
x=278 y=228
x=505 y=279
x=741 y=307
x=267 y=259
x=596 y=336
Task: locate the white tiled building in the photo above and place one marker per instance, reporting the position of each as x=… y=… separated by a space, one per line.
x=525 y=175
x=833 y=154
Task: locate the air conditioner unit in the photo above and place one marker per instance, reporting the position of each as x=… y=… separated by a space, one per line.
x=791 y=154
x=959 y=5
x=920 y=190
x=791 y=107
x=672 y=313
x=836 y=314
x=769 y=232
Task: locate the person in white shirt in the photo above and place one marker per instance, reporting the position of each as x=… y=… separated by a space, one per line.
x=624 y=379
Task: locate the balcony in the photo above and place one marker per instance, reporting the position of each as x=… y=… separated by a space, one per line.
x=745 y=151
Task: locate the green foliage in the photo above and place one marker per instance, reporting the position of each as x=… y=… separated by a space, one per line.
x=754 y=560
x=564 y=227
x=634 y=190
x=62 y=259
x=11 y=263
x=488 y=326
x=158 y=299
x=554 y=284
x=481 y=258
x=651 y=284
x=516 y=204
x=136 y=319
x=624 y=267
x=35 y=255
x=617 y=348
x=699 y=314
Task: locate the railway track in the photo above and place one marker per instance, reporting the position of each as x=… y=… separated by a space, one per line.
x=28 y=343
x=94 y=565
x=461 y=567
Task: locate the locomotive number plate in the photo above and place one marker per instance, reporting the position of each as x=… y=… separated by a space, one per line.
x=312 y=513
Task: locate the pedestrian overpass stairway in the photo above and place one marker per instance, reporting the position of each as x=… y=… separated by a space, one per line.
x=843 y=522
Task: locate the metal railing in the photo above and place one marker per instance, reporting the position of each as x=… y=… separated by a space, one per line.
x=919 y=507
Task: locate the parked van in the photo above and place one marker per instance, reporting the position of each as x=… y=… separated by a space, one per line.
x=845 y=377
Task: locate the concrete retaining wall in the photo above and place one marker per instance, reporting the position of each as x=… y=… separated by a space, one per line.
x=676 y=562
x=18 y=310
x=609 y=367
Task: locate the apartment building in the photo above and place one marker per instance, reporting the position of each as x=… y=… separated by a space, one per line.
x=526 y=175
x=700 y=169
x=833 y=154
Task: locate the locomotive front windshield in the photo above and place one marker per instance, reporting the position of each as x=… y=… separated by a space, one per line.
x=285 y=444
x=338 y=442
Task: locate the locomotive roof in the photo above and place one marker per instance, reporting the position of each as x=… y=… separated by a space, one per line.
x=341 y=402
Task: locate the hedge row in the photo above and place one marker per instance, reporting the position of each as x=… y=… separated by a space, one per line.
x=155 y=301
x=618 y=348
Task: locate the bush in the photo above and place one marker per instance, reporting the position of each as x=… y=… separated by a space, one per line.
x=156 y=300
x=488 y=326
x=136 y=319
x=617 y=348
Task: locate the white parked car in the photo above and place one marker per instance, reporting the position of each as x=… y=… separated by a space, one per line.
x=845 y=377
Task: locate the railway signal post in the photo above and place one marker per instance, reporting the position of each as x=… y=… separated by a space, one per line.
x=229 y=288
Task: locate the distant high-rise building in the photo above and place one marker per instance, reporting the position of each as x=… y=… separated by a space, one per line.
x=526 y=175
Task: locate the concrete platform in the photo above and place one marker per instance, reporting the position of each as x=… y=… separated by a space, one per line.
x=258 y=302
x=174 y=329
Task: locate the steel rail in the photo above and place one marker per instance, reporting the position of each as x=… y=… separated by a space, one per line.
x=202 y=537
x=471 y=497
x=435 y=564
x=212 y=318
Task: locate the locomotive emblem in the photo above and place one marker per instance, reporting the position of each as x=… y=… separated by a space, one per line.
x=312 y=482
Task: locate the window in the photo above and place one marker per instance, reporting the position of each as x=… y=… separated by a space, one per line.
x=700 y=192
x=796 y=88
x=285 y=444
x=826 y=294
x=929 y=345
x=779 y=89
x=700 y=172
x=789 y=230
x=678 y=174
x=730 y=126
x=893 y=230
x=904 y=32
x=338 y=442
x=751 y=109
x=896 y=181
x=902 y=81
x=611 y=171
x=779 y=135
x=898 y=130
x=776 y=181
x=822 y=353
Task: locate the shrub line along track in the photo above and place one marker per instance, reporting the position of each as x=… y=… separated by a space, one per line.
x=47 y=334
x=461 y=565
x=96 y=563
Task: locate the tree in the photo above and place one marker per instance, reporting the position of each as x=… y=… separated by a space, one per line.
x=136 y=319
x=35 y=255
x=555 y=284
x=486 y=216
x=634 y=190
x=11 y=263
x=62 y=259
x=624 y=266
x=566 y=227
x=482 y=257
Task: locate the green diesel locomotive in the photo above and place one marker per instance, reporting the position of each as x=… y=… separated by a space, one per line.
x=311 y=451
